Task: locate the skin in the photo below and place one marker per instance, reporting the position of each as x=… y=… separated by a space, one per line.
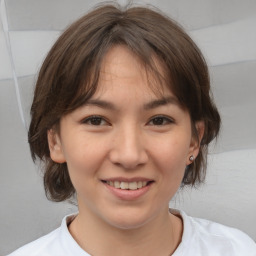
x=129 y=138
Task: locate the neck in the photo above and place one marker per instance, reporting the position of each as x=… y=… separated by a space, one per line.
x=160 y=236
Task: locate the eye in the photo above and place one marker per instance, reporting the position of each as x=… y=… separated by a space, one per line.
x=160 y=120
x=95 y=120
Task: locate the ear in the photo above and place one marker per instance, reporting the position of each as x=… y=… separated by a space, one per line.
x=55 y=146
x=196 y=141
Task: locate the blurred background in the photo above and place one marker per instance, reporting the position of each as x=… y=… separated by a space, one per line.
x=225 y=31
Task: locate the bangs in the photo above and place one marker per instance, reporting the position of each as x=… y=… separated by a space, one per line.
x=86 y=77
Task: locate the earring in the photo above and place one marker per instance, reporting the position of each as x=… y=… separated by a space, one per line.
x=191 y=158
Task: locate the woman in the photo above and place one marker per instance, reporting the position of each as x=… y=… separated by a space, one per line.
x=122 y=117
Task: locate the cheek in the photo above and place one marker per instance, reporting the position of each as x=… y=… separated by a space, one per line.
x=82 y=150
x=82 y=168
x=172 y=150
x=83 y=158
x=170 y=157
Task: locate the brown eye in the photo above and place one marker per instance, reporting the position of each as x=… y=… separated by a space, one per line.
x=160 y=120
x=95 y=120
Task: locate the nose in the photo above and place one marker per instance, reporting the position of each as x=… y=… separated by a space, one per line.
x=128 y=148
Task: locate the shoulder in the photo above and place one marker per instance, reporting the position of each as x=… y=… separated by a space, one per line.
x=40 y=246
x=211 y=238
x=58 y=242
x=236 y=239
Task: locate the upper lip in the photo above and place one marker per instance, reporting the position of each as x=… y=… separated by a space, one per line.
x=124 y=179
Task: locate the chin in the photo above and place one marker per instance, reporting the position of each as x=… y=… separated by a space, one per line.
x=128 y=220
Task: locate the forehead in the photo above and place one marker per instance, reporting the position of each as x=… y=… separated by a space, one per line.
x=120 y=66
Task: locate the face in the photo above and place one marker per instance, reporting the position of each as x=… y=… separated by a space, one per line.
x=127 y=148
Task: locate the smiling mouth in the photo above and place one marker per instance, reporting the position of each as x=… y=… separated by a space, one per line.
x=134 y=185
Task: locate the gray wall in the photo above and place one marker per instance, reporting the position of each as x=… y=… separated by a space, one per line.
x=226 y=33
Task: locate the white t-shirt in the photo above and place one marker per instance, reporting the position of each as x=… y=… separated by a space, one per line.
x=200 y=238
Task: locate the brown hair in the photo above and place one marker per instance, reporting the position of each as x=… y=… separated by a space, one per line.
x=69 y=75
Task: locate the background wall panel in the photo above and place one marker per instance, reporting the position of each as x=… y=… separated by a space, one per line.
x=226 y=33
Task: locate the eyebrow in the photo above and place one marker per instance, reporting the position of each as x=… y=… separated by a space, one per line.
x=161 y=102
x=101 y=103
x=150 y=105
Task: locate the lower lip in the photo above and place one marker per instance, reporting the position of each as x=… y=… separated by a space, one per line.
x=128 y=195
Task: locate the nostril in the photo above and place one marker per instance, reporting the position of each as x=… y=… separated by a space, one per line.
x=128 y=157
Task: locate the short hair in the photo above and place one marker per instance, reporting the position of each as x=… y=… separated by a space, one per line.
x=70 y=72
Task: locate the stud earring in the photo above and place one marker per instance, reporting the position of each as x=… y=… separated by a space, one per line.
x=191 y=158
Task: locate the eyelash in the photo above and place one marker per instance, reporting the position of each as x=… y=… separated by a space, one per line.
x=165 y=120
x=91 y=118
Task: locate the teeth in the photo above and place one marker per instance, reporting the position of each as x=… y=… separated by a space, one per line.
x=116 y=184
x=133 y=185
x=124 y=185
x=127 y=185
